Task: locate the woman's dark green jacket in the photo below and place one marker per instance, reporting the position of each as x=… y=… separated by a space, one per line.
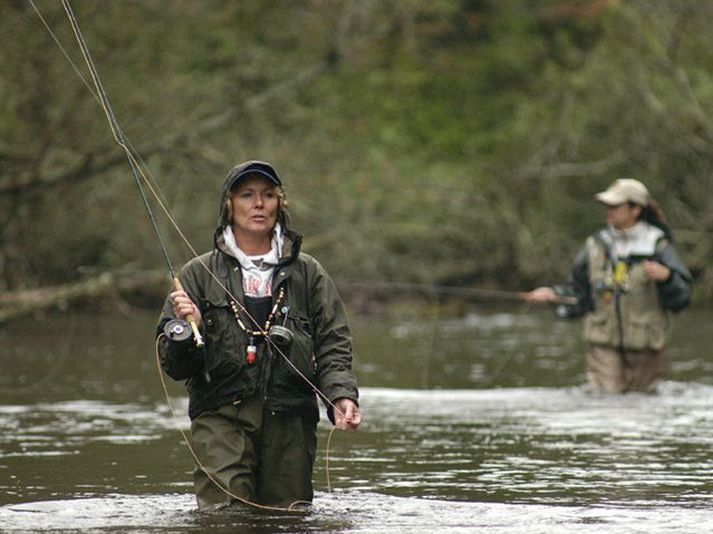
x=218 y=373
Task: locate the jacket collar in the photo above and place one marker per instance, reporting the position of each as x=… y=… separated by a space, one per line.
x=640 y=240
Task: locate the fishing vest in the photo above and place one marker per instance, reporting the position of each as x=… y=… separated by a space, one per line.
x=627 y=313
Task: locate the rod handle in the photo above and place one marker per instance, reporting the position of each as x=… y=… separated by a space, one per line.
x=177 y=286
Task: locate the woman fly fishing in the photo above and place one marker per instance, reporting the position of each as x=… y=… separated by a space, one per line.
x=627 y=279
x=275 y=332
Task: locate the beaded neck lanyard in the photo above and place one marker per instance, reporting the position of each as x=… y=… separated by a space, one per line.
x=251 y=351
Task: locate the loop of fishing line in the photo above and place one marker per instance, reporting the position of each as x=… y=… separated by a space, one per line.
x=197 y=459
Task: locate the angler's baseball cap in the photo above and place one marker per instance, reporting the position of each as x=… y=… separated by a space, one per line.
x=624 y=190
x=252 y=167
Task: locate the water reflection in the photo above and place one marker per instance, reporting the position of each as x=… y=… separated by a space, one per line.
x=504 y=438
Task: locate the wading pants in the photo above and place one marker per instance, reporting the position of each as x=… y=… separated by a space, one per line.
x=262 y=456
x=612 y=371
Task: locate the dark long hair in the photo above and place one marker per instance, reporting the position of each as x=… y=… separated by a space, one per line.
x=653 y=214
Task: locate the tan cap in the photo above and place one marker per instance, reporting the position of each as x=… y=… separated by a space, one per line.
x=624 y=190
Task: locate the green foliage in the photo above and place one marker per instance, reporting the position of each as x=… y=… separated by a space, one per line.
x=449 y=141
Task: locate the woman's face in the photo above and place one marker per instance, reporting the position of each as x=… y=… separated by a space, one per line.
x=622 y=216
x=255 y=204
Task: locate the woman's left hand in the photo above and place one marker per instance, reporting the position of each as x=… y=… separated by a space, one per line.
x=347 y=415
x=656 y=271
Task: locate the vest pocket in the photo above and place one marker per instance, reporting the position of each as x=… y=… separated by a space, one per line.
x=600 y=328
x=645 y=333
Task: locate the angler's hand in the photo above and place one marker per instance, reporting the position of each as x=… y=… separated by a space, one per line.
x=656 y=271
x=183 y=306
x=541 y=295
x=347 y=415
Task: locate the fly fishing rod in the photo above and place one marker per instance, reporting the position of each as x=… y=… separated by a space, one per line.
x=119 y=138
x=456 y=291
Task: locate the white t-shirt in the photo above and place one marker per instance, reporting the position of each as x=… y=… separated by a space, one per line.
x=257 y=270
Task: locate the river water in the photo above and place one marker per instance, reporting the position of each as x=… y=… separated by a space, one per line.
x=479 y=423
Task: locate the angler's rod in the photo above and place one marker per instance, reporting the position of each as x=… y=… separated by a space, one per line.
x=119 y=137
x=462 y=291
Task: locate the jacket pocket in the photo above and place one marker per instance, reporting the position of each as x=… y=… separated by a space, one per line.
x=295 y=374
x=222 y=339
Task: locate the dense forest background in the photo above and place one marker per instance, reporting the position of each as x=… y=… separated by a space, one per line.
x=446 y=142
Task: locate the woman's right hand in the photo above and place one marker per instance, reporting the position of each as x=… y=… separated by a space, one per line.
x=183 y=306
x=541 y=295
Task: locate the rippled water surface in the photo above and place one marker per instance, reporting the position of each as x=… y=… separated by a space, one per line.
x=479 y=423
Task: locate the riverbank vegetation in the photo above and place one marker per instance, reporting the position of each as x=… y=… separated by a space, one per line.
x=457 y=142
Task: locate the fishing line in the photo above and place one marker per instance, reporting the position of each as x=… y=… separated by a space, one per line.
x=326 y=458
x=137 y=172
x=189 y=445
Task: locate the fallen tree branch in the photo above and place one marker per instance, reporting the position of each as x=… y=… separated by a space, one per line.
x=22 y=302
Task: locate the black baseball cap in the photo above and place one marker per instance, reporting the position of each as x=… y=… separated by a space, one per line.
x=239 y=172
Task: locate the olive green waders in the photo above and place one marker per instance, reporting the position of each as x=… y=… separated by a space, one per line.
x=613 y=371
x=262 y=456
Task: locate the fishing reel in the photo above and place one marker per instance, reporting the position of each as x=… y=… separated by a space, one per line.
x=280 y=335
x=178 y=330
x=562 y=311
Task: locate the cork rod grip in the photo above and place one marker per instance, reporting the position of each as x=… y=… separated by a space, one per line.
x=189 y=318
